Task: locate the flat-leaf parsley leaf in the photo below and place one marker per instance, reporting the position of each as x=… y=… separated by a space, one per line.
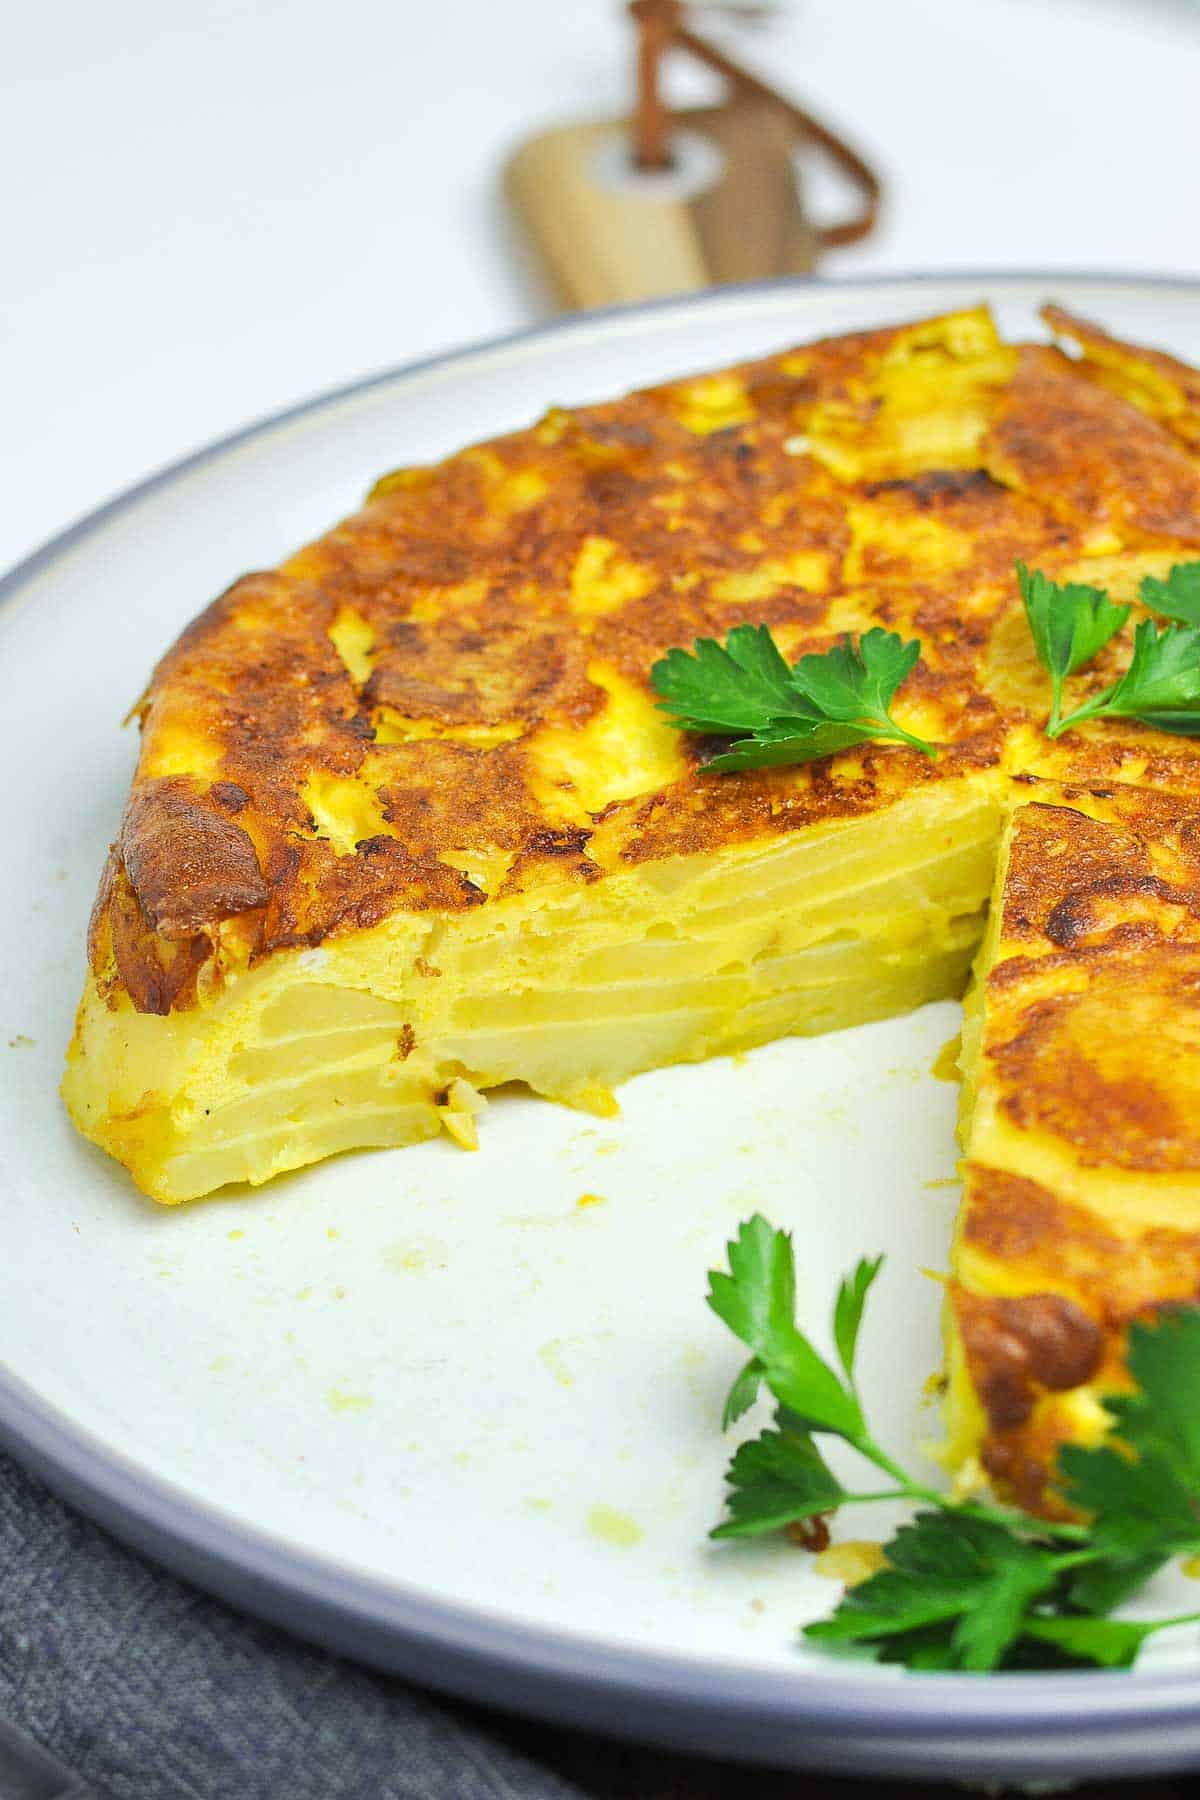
x=1178 y=597
x=775 y=713
x=1071 y=623
x=1161 y=686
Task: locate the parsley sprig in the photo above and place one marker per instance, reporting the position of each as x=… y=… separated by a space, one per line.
x=1071 y=623
x=1161 y=686
x=964 y=1585
x=777 y=713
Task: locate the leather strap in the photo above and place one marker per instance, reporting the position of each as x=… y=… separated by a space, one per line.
x=661 y=27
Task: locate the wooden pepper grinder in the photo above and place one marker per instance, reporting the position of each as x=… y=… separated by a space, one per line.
x=665 y=203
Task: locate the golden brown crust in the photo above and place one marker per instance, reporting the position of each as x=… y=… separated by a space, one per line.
x=1025 y=1356
x=1114 y=1275
x=415 y=692
x=1161 y=385
x=1071 y=877
x=187 y=862
x=1089 y=1071
x=689 y=819
x=1116 y=1096
x=1094 y=1002
x=157 y=972
x=1091 y=455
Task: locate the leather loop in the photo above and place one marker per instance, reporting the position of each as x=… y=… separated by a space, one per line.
x=661 y=27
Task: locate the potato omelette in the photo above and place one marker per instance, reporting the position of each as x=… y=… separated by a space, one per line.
x=407 y=823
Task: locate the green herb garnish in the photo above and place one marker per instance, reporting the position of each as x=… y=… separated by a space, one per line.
x=1178 y=597
x=1161 y=686
x=777 y=713
x=1070 y=625
x=965 y=1585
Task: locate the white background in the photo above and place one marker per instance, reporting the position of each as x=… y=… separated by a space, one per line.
x=210 y=210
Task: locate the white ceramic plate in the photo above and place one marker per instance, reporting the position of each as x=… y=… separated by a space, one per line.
x=421 y=1405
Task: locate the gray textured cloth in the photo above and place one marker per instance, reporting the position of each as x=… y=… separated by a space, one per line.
x=147 y=1690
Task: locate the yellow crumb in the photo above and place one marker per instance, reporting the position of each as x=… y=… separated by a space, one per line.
x=613 y=1527
x=850 y=1562
x=342 y=1402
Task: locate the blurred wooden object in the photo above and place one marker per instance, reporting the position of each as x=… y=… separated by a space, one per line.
x=665 y=202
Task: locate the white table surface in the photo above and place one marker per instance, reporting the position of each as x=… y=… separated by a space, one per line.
x=209 y=210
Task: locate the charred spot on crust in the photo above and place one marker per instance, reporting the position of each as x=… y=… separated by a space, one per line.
x=558 y=843
x=229 y=796
x=1075 y=917
x=563 y=850
x=937 y=484
x=1020 y=1477
x=1015 y=1347
x=705 y=746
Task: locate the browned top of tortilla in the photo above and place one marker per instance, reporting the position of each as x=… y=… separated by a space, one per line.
x=1161 y=385
x=422 y=691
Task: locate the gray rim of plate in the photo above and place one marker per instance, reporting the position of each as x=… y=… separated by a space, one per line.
x=532 y=1669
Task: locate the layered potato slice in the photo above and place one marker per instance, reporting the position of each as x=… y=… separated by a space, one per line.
x=1080 y=1123
x=386 y=1035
